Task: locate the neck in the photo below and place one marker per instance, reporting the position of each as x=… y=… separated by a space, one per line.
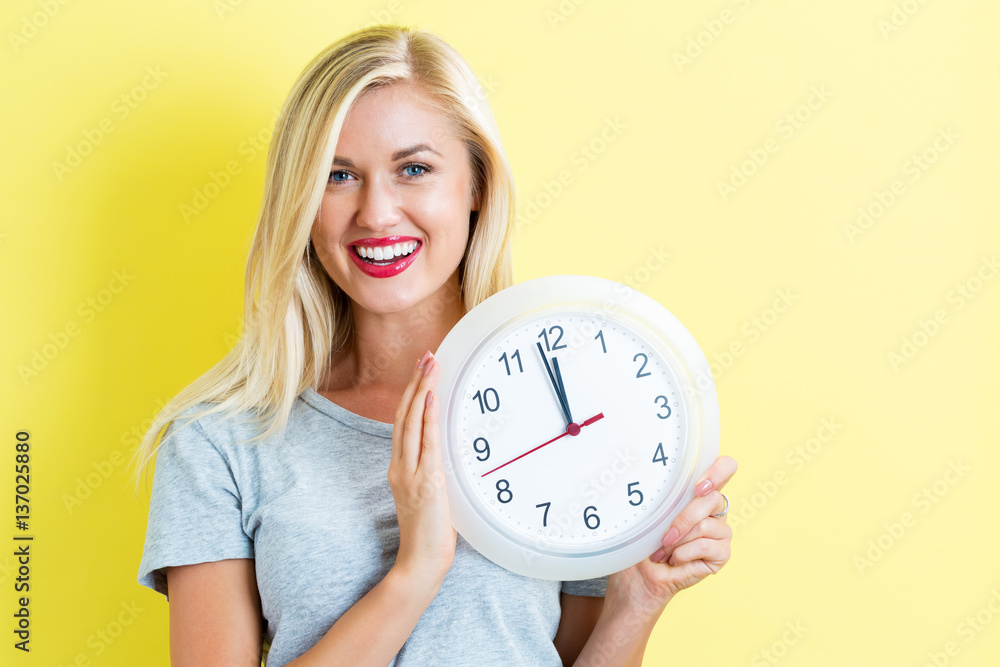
x=385 y=346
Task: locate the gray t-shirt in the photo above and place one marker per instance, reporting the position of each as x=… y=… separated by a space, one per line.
x=314 y=510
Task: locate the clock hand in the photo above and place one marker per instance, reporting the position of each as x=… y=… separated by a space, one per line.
x=572 y=429
x=555 y=385
x=562 y=388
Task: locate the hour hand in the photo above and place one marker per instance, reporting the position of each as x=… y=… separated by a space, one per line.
x=555 y=385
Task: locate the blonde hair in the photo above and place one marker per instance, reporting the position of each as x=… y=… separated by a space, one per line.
x=294 y=315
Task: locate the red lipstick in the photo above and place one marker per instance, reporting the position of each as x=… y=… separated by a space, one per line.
x=384 y=270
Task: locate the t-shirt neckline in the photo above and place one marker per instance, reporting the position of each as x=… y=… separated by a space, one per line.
x=345 y=416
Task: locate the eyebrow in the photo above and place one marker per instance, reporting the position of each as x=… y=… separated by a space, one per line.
x=398 y=155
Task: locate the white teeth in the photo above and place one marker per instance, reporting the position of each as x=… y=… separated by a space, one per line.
x=385 y=253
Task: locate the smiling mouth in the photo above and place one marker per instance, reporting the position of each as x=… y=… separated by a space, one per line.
x=385 y=255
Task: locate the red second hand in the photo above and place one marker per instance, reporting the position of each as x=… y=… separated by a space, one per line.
x=569 y=431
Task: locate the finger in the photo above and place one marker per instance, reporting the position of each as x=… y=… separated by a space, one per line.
x=708 y=527
x=430 y=453
x=404 y=406
x=413 y=422
x=699 y=508
x=705 y=548
x=717 y=475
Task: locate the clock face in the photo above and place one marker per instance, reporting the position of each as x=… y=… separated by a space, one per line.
x=578 y=490
x=572 y=424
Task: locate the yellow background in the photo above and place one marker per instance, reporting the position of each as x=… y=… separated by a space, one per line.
x=662 y=132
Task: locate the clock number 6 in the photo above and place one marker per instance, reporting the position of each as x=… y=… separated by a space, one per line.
x=588 y=517
x=504 y=489
x=484 y=400
x=632 y=492
x=664 y=405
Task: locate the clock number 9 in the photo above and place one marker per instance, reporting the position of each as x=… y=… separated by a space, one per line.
x=484 y=450
x=504 y=489
x=484 y=400
x=555 y=344
x=588 y=517
x=664 y=405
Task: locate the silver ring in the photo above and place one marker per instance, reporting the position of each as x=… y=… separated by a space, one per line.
x=726 y=510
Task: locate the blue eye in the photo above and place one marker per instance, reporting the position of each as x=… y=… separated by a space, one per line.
x=423 y=169
x=335 y=175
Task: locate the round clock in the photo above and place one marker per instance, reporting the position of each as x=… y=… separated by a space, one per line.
x=577 y=416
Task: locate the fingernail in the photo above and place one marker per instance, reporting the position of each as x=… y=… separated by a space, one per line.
x=423 y=360
x=429 y=366
x=429 y=400
x=658 y=556
x=671 y=536
x=703 y=488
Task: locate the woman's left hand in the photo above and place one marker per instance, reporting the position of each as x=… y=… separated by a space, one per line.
x=696 y=545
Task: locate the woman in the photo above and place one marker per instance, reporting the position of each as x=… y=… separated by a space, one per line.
x=326 y=536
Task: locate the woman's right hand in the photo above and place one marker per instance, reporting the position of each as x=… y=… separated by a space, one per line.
x=426 y=537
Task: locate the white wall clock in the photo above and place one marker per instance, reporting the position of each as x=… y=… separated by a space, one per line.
x=577 y=415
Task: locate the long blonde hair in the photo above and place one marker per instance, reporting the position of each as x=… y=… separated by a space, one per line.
x=295 y=316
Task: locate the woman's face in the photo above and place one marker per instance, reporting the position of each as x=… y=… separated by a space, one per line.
x=400 y=180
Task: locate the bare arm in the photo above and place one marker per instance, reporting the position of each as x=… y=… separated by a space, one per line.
x=576 y=623
x=215 y=618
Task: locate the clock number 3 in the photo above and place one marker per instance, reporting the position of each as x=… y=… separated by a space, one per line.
x=663 y=405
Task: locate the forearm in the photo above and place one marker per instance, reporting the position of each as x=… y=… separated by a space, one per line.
x=620 y=636
x=373 y=630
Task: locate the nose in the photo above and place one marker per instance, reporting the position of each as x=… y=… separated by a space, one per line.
x=378 y=208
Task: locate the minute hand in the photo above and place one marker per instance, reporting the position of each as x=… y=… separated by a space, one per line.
x=569 y=431
x=556 y=385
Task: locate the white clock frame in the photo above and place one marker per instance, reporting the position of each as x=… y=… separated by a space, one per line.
x=658 y=328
